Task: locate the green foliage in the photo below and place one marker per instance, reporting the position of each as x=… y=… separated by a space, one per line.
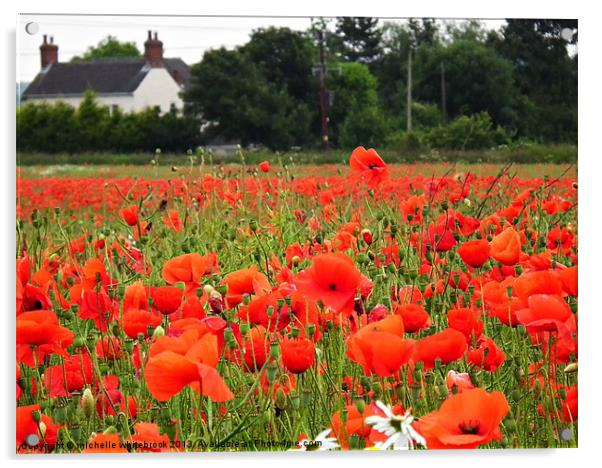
x=476 y=80
x=109 y=47
x=363 y=127
x=259 y=93
x=59 y=127
x=360 y=38
x=355 y=114
x=545 y=77
x=468 y=132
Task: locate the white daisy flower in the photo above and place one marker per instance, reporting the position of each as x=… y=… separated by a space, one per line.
x=320 y=443
x=401 y=435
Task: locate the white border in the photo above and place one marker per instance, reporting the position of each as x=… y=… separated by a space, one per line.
x=590 y=210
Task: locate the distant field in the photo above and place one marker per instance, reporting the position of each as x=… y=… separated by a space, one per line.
x=397 y=170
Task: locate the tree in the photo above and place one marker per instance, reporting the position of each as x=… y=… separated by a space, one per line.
x=476 y=80
x=284 y=57
x=356 y=117
x=545 y=74
x=424 y=32
x=360 y=38
x=109 y=47
x=391 y=71
x=235 y=101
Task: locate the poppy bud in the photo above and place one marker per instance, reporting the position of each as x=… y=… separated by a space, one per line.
x=271 y=370
x=246 y=298
x=311 y=329
x=570 y=368
x=510 y=425
x=274 y=349
x=87 y=403
x=367 y=236
x=295 y=400
x=360 y=405
x=280 y=399
x=37 y=416
x=159 y=331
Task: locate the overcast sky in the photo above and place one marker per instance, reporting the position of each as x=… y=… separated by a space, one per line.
x=184 y=37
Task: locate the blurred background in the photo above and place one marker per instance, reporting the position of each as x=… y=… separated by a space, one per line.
x=100 y=89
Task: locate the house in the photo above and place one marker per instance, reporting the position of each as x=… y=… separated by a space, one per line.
x=129 y=83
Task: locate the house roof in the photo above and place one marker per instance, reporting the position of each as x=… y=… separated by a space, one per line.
x=104 y=76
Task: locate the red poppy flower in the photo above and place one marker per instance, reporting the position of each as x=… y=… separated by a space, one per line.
x=166 y=299
x=505 y=247
x=537 y=282
x=333 y=279
x=352 y=424
x=135 y=297
x=458 y=382
x=264 y=166
x=73 y=375
x=440 y=238
x=148 y=439
x=486 y=355
x=297 y=354
x=379 y=347
x=96 y=305
x=105 y=443
x=255 y=348
x=138 y=321
x=189 y=268
x=465 y=420
x=169 y=371
x=108 y=347
x=172 y=221
x=39 y=334
x=130 y=215
x=26 y=425
x=544 y=313
x=447 y=346
x=475 y=252
x=467 y=321
x=246 y=281
x=568 y=277
x=368 y=165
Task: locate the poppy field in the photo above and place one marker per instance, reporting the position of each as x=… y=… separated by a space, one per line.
x=277 y=307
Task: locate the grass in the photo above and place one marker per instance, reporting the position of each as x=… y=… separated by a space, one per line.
x=521 y=153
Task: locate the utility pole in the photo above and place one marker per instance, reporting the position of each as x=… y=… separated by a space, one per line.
x=443 y=96
x=409 y=96
x=323 y=94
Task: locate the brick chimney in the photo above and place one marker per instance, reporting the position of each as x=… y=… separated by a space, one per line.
x=153 y=50
x=49 y=52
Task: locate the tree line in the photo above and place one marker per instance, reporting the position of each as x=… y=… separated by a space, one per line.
x=470 y=88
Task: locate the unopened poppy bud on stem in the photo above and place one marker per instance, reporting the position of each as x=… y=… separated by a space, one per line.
x=87 y=403
x=367 y=236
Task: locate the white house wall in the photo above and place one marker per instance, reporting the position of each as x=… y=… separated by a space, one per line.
x=158 y=88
